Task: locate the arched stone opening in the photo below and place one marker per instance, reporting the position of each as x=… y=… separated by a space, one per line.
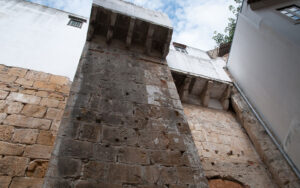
x=218 y=182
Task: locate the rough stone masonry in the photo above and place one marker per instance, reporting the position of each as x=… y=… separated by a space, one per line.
x=124 y=125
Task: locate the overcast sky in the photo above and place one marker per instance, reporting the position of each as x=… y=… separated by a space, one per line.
x=194 y=21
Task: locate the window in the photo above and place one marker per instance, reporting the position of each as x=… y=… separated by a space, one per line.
x=180 y=48
x=76 y=22
x=291 y=12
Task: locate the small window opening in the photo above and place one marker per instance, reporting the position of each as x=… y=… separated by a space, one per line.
x=180 y=48
x=292 y=12
x=76 y=22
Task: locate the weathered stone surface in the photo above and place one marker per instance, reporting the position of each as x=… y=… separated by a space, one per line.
x=124 y=173
x=224 y=147
x=46 y=138
x=2 y=117
x=60 y=80
x=24 y=82
x=269 y=153
x=45 y=86
x=42 y=94
x=5 y=181
x=26 y=182
x=106 y=119
x=29 y=122
x=16 y=71
x=37 y=168
x=3 y=94
x=38 y=151
x=30 y=99
x=11 y=149
x=25 y=136
x=52 y=103
x=35 y=75
x=6 y=132
x=13 y=166
x=13 y=107
x=7 y=78
x=34 y=110
x=132 y=155
x=68 y=167
x=54 y=114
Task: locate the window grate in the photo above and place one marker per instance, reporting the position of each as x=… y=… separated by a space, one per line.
x=291 y=12
x=75 y=23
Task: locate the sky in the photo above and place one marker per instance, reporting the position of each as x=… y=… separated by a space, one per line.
x=194 y=21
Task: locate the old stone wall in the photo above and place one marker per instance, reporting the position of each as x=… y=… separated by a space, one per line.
x=225 y=149
x=123 y=126
x=279 y=168
x=31 y=107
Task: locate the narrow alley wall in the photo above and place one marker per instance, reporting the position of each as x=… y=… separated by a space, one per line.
x=225 y=149
x=31 y=107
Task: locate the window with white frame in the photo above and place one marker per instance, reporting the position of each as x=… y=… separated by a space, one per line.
x=292 y=12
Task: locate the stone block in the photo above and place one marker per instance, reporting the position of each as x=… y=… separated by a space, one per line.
x=11 y=149
x=65 y=89
x=55 y=125
x=104 y=152
x=16 y=71
x=185 y=175
x=56 y=96
x=34 y=110
x=121 y=173
x=46 y=138
x=5 y=181
x=6 y=132
x=169 y=158
x=90 y=132
x=131 y=155
x=151 y=173
x=7 y=78
x=42 y=94
x=38 y=151
x=26 y=182
x=40 y=85
x=93 y=166
x=78 y=149
x=90 y=184
x=60 y=80
x=3 y=94
x=2 y=117
x=168 y=175
x=52 y=103
x=29 y=122
x=23 y=98
x=68 y=167
x=119 y=136
x=13 y=107
x=37 y=168
x=54 y=114
x=35 y=75
x=13 y=166
x=24 y=82
x=25 y=136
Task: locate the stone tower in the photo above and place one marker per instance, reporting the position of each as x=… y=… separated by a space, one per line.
x=124 y=124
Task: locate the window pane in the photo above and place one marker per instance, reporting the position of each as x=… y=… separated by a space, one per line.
x=295 y=18
x=298 y=12
x=284 y=12
x=289 y=15
x=293 y=9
